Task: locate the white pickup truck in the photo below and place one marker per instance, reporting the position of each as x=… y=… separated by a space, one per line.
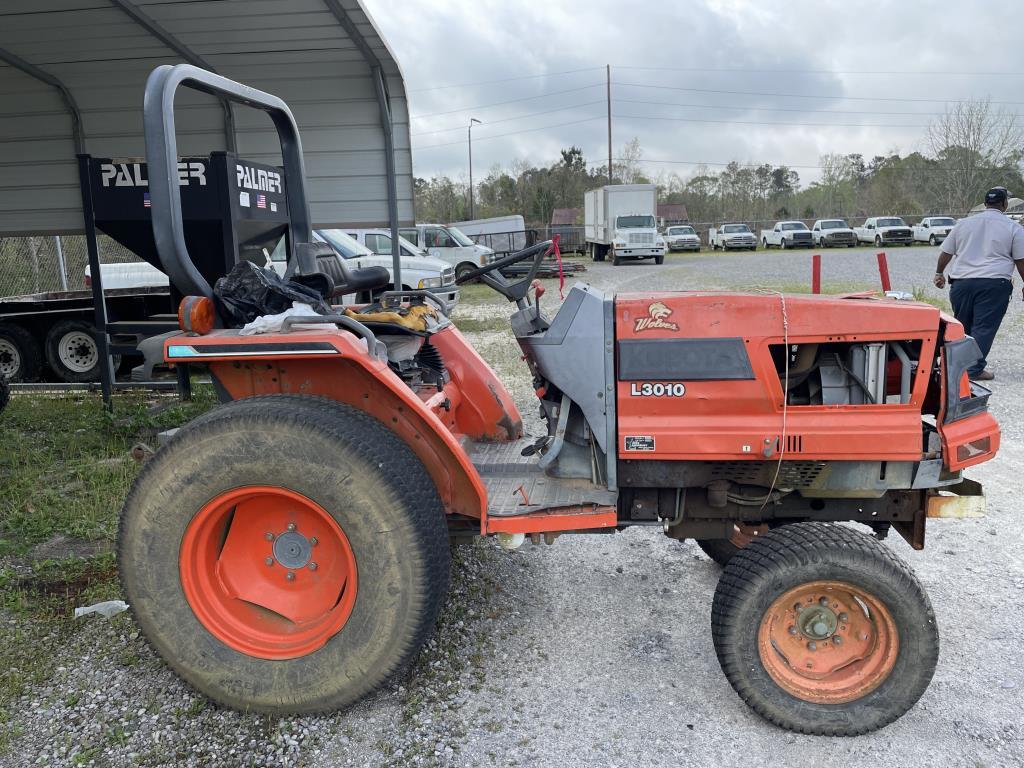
x=933 y=229
x=833 y=233
x=786 y=234
x=418 y=271
x=450 y=245
x=885 y=230
x=732 y=236
x=682 y=238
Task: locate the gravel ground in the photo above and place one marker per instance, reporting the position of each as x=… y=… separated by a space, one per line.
x=595 y=651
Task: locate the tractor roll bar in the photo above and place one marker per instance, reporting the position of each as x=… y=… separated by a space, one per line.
x=162 y=159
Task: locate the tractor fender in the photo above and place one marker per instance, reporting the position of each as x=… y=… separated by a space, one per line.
x=335 y=364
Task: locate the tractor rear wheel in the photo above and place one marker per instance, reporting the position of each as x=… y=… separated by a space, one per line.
x=285 y=554
x=823 y=630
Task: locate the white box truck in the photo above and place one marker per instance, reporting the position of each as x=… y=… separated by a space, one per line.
x=620 y=220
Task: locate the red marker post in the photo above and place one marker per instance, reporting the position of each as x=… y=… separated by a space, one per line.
x=816 y=273
x=883 y=272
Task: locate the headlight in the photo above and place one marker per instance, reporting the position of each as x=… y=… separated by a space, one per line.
x=618 y=243
x=430 y=282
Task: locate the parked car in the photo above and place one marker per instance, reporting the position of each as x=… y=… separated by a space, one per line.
x=450 y=245
x=885 y=230
x=682 y=238
x=832 y=233
x=731 y=236
x=933 y=229
x=372 y=248
x=787 y=234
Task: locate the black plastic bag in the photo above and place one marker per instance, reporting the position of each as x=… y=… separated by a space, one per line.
x=249 y=291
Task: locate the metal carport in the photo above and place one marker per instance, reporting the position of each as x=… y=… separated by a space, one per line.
x=72 y=74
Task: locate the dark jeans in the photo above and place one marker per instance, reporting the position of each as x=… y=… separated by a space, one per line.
x=980 y=303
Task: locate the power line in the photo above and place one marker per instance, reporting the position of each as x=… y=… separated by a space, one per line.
x=839 y=97
x=759 y=122
x=780 y=165
x=510 y=101
x=787 y=109
x=507 y=119
x=512 y=133
x=506 y=79
x=823 y=71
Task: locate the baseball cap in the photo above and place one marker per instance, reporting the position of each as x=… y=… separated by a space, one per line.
x=996 y=195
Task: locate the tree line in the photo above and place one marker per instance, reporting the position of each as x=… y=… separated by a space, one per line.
x=971 y=147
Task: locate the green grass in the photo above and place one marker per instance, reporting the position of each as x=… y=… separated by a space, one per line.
x=64 y=462
x=64 y=469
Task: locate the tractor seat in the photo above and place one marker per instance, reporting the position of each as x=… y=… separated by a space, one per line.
x=347 y=280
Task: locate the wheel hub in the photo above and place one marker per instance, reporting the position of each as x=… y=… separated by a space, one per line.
x=264 y=594
x=78 y=351
x=828 y=642
x=292 y=549
x=10 y=360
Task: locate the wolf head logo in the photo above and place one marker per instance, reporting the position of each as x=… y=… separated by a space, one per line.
x=658 y=311
x=657 y=318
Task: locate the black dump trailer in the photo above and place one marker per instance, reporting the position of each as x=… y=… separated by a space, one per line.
x=229 y=206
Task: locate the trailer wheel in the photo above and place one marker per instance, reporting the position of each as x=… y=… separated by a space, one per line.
x=72 y=352
x=5 y=393
x=823 y=630
x=285 y=554
x=19 y=354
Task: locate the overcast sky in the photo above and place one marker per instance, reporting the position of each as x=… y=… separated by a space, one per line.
x=929 y=52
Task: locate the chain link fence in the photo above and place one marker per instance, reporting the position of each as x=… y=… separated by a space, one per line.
x=42 y=264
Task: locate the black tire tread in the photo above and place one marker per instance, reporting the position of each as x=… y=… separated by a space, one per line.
x=5 y=393
x=406 y=473
x=783 y=550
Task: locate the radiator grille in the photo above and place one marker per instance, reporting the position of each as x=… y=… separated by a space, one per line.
x=641 y=238
x=792 y=474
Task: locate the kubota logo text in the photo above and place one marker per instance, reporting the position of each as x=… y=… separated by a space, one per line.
x=657 y=314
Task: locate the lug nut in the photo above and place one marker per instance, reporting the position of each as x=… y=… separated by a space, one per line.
x=792 y=630
x=312 y=566
x=268 y=536
x=291 y=526
x=843 y=617
x=313 y=541
x=798 y=607
x=824 y=601
x=290 y=576
x=269 y=561
x=812 y=646
x=837 y=640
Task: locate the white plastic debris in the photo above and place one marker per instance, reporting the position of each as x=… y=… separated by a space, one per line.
x=106 y=609
x=273 y=323
x=899 y=295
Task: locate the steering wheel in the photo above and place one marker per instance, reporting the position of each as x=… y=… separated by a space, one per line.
x=513 y=291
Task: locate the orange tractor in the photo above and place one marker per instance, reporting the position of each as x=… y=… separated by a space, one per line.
x=289 y=551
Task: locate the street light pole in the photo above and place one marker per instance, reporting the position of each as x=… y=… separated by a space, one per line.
x=470 y=131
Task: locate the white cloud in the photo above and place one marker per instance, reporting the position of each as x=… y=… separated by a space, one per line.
x=783 y=47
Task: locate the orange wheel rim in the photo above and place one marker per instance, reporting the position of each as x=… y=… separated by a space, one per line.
x=828 y=642
x=268 y=572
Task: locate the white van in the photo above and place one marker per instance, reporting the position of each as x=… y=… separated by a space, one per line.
x=450 y=245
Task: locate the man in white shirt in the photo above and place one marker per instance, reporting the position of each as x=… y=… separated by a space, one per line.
x=981 y=252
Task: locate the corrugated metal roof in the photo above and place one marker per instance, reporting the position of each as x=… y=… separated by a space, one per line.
x=295 y=49
x=672 y=212
x=565 y=217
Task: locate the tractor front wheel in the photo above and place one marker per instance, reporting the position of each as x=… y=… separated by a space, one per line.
x=823 y=630
x=285 y=554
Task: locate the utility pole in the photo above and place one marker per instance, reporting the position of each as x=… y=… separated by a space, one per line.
x=608 y=85
x=470 y=131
